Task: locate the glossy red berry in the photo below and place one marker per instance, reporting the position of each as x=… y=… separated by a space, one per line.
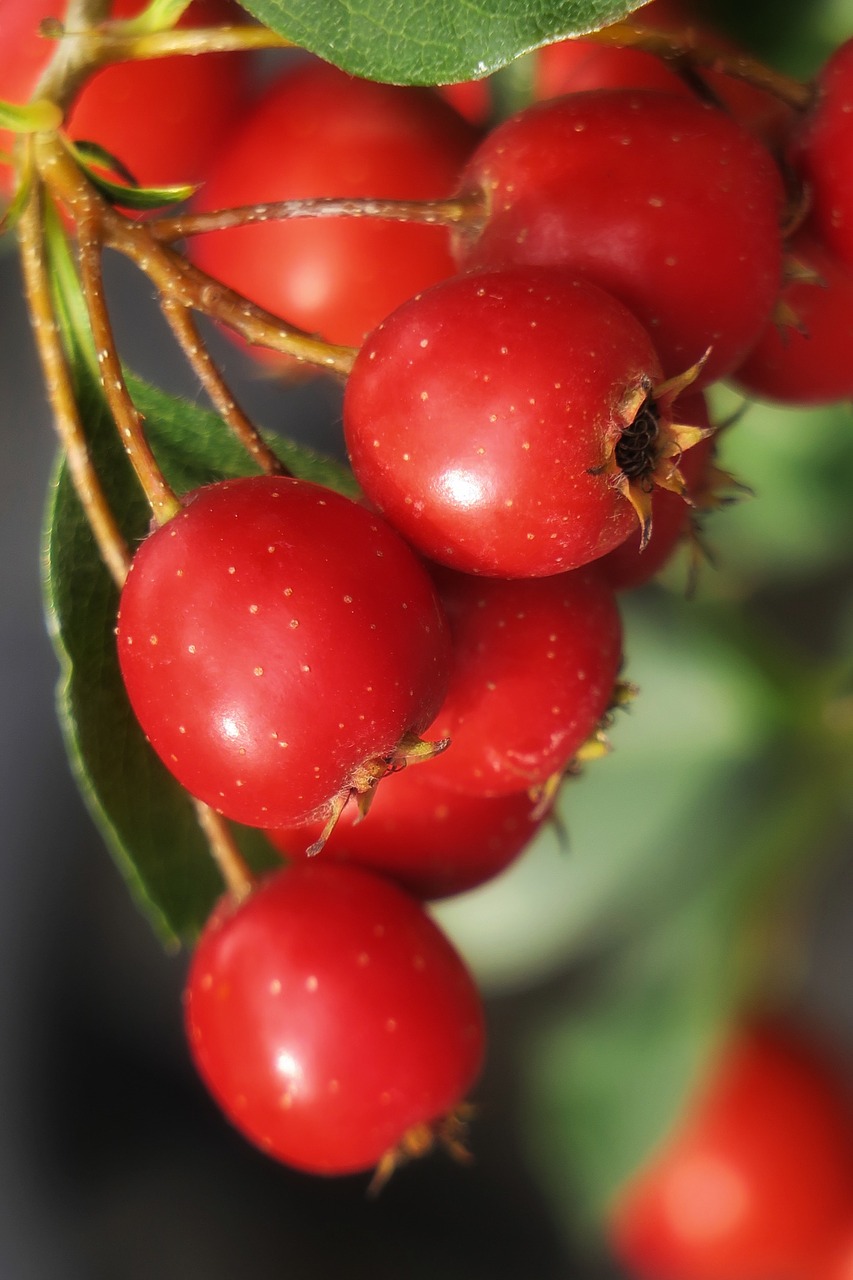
x=332 y=1020
x=756 y=1178
x=663 y=201
x=165 y=127
x=535 y=663
x=580 y=65
x=276 y=640
x=505 y=422
x=429 y=838
x=821 y=149
x=837 y=1264
x=319 y=132
x=804 y=355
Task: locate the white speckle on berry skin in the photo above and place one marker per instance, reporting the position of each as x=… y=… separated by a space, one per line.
x=311 y=983
x=275 y=987
x=259 y=671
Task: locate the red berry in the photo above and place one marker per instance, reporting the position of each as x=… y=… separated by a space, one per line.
x=164 y=124
x=332 y=1020
x=804 y=356
x=838 y=1262
x=579 y=65
x=821 y=151
x=665 y=202
x=429 y=838
x=755 y=1180
x=506 y=421
x=275 y=640
x=319 y=132
x=534 y=667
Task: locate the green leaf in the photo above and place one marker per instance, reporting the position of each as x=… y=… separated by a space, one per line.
x=146 y=818
x=34 y=117
x=434 y=41
x=93 y=158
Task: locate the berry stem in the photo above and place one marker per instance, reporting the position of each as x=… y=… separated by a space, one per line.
x=690 y=46
x=72 y=62
x=186 y=333
x=161 y=497
x=112 y=44
x=468 y=211
x=239 y=880
x=60 y=388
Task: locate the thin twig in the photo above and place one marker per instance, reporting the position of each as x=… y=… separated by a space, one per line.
x=183 y=327
x=441 y=213
x=112 y=45
x=223 y=848
x=60 y=390
x=161 y=497
x=694 y=47
x=71 y=63
x=175 y=277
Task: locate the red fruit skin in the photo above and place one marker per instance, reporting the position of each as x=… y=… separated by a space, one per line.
x=756 y=1179
x=534 y=667
x=821 y=151
x=627 y=566
x=164 y=122
x=430 y=839
x=328 y=1016
x=479 y=415
x=838 y=1262
x=577 y=65
x=815 y=365
x=273 y=637
x=663 y=201
x=471 y=98
x=319 y=132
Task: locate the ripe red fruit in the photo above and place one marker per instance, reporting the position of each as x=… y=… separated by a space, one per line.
x=579 y=65
x=429 y=838
x=332 y=1020
x=804 y=355
x=319 y=132
x=821 y=149
x=755 y=1180
x=507 y=421
x=663 y=201
x=838 y=1262
x=534 y=668
x=163 y=120
x=278 y=643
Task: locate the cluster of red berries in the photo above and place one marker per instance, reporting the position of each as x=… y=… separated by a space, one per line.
x=526 y=420
x=530 y=435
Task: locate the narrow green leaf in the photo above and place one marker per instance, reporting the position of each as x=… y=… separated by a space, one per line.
x=147 y=819
x=94 y=159
x=35 y=117
x=434 y=41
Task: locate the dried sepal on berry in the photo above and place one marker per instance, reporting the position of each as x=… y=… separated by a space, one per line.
x=646 y=454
